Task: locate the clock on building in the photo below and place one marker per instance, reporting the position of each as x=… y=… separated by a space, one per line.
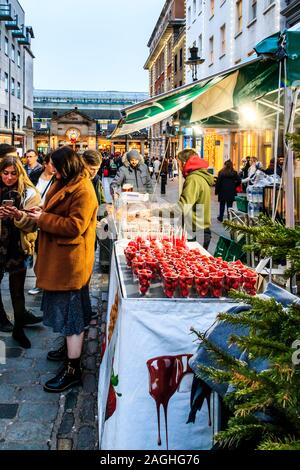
x=73 y=135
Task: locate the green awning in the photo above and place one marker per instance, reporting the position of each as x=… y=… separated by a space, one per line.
x=216 y=95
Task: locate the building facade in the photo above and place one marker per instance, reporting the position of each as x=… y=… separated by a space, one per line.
x=16 y=77
x=225 y=32
x=166 y=66
x=291 y=13
x=102 y=110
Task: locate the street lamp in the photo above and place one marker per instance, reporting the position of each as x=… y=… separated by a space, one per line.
x=13 y=126
x=194 y=61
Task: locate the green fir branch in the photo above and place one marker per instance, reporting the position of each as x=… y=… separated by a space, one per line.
x=289 y=443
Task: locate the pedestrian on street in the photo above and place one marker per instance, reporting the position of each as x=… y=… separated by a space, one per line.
x=44 y=182
x=93 y=159
x=134 y=172
x=156 y=165
x=170 y=168
x=7 y=150
x=254 y=168
x=33 y=168
x=17 y=239
x=175 y=168
x=226 y=184
x=271 y=168
x=68 y=230
x=195 y=199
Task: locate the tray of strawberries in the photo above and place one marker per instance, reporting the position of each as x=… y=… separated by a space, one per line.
x=171 y=268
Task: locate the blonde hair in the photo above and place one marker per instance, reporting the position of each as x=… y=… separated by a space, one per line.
x=23 y=180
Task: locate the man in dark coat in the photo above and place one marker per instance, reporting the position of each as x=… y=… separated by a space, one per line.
x=135 y=173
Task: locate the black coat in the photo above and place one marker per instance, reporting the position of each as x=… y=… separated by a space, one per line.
x=226 y=186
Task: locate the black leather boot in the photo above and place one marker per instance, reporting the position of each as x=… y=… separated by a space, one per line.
x=5 y=325
x=59 y=354
x=29 y=319
x=69 y=376
x=19 y=336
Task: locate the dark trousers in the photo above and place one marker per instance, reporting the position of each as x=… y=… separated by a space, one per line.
x=222 y=208
x=16 y=288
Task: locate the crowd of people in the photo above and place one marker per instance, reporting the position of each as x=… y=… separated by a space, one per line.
x=57 y=201
x=229 y=182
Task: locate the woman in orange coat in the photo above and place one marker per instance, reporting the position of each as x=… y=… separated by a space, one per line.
x=67 y=231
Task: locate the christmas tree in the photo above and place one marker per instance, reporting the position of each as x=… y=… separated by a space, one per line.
x=265 y=405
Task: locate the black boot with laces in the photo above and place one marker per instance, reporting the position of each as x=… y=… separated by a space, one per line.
x=69 y=376
x=58 y=355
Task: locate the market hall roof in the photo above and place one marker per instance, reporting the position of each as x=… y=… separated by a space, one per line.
x=120 y=98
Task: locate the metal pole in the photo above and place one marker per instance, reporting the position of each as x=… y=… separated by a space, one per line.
x=290 y=101
x=289 y=161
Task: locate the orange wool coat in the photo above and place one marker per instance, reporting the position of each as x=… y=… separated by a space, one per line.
x=67 y=236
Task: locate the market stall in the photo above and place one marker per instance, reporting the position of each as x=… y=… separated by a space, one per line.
x=145 y=380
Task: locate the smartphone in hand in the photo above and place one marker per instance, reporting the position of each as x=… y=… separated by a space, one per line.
x=8 y=203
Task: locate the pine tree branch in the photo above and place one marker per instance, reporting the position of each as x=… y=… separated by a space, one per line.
x=290 y=443
x=259 y=346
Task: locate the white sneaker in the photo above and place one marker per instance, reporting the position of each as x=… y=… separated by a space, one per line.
x=34 y=291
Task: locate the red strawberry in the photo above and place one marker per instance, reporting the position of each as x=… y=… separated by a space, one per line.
x=111 y=403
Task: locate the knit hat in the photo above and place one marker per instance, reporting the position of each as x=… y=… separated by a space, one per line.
x=134 y=154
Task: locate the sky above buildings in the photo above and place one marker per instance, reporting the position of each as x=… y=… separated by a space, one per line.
x=91 y=44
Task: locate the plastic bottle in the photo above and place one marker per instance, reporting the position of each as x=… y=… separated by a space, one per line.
x=249 y=193
x=251 y=209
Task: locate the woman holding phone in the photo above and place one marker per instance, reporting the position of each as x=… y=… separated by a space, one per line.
x=67 y=225
x=17 y=239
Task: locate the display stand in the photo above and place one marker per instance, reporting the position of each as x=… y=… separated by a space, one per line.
x=145 y=380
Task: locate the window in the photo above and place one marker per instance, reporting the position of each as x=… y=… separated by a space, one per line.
x=175 y=63
x=239 y=16
x=200 y=45
x=223 y=39
x=6 y=82
x=13 y=88
x=200 y=6
x=268 y=3
x=0 y=40
x=19 y=90
x=212 y=7
x=19 y=121
x=211 y=50
x=194 y=8
x=6 y=119
x=252 y=10
x=13 y=53
x=19 y=59
x=180 y=58
x=6 y=46
x=189 y=15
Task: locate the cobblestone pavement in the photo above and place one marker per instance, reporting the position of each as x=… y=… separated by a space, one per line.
x=31 y=419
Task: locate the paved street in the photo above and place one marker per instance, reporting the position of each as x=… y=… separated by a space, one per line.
x=29 y=417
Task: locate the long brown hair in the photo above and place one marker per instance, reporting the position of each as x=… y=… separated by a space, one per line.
x=69 y=164
x=228 y=168
x=23 y=180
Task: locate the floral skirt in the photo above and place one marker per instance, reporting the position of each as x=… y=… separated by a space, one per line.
x=67 y=312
